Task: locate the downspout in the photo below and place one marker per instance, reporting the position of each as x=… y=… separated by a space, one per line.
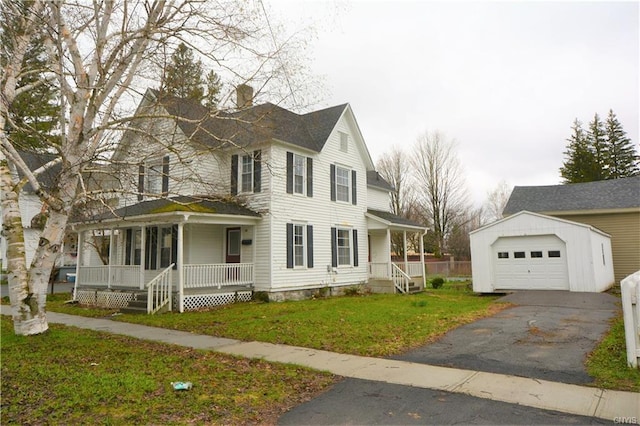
x=143 y=254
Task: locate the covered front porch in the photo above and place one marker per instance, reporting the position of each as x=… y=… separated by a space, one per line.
x=187 y=258
x=386 y=275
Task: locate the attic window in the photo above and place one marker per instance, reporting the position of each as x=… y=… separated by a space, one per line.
x=344 y=142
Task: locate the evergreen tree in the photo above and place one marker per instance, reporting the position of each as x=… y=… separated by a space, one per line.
x=622 y=160
x=214 y=87
x=183 y=76
x=597 y=142
x=579 y=165
x=33 y=114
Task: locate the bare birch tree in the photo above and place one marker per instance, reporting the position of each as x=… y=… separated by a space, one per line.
x=440 y=184
x=100 y=55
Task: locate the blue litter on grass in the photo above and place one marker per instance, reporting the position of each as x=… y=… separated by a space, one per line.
x=182 y=385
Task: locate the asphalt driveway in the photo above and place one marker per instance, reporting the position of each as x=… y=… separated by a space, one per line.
x=546 y=335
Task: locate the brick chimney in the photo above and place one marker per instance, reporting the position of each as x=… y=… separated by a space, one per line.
x=244 y=96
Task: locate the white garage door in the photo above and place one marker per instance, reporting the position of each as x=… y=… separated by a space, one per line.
x=530 y=262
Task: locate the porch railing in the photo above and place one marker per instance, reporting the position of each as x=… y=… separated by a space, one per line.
x=121 y=275
x=400 y=279
x=159 y=291
x=218 y=275
x=383 y=269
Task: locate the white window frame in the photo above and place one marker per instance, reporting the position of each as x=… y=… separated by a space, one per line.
x=297 y=177
x=245 y=172
x=299 y=245
x=153 y=176
x=342 y=185
x=344 y=249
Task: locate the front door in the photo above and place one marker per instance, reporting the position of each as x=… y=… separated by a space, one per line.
x=233 y=245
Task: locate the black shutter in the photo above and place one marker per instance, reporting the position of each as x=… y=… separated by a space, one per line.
x=174 y=246
x=309 y=246
x=355 y=247
x=334 y=247
x=309 y=177
x=257 y=171
x=289 y=245
x=354 y=190
x=128 y=244
x=165 y=175
x=289 y=172
x=332 y=180
x=234 y=175
x=140 y=182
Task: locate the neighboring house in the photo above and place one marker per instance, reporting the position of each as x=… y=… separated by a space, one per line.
x=613 y=206
x=531 y=251
x=260 y=199
x=33 y=213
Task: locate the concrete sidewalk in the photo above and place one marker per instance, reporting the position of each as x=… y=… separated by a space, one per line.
x=566 y=398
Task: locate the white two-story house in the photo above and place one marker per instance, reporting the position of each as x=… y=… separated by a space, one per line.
x=226 y=204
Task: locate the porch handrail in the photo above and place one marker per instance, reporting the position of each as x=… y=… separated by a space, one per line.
x=218 y=275
x=379 y=270
x=413 y=269
x=159 y=291
x=98 y=276
x=400 y=279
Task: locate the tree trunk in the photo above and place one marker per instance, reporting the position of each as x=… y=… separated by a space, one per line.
x=27 y=302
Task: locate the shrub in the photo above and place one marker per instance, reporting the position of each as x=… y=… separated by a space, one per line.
x=261 y=296
x=437 y=282
x=353 y=291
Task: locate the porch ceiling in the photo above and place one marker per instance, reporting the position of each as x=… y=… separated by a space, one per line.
x=176 y=209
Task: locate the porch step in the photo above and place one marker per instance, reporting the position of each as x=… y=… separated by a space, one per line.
x=136 y=306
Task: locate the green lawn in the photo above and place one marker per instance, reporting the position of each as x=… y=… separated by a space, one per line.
x=372 y=325
x=74 y=376
x=84 y=377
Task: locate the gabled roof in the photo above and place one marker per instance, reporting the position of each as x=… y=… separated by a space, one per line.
x=253 y=125
x=176 y=204
x=374 y=179
x=538 y=216
x=393 y=219
x=612 y=194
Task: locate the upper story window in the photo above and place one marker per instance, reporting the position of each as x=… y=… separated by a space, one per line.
x=153 y=177
x=246 y=176
x=246 y=172
x=344 y=142
x=299 y=174
x=343 y=184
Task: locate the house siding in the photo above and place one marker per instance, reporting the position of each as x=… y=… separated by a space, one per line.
x=624 y=229
x=320 y=212
x=378 y=199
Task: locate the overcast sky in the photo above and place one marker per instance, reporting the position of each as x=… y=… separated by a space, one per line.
x=504 y=79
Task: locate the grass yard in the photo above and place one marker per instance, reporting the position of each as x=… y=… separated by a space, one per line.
x=74 y=376
x=608 y=362
x=371 y=325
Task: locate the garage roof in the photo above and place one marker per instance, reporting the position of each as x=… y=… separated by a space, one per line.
x=611 y=194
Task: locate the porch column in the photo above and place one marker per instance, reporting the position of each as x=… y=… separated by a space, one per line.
x=143 y=254
x=180 y=266
x=404 y=249
x=424 y=272
x=390 y=250
x=79 y=259
x=110 y=256
x=253 y=258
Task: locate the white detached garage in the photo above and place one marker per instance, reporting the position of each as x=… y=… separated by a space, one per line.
x=531 y=251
